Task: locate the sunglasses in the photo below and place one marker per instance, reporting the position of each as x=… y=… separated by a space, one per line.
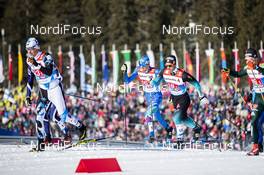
x=30 y=48
x=168 y=66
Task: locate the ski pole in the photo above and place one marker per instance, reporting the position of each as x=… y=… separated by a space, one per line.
x=236 y=89
x=125 y=117
x=81 y=97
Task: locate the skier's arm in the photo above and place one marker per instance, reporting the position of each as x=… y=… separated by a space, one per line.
x=157 y=80
x=48 y=65
x=128 y=79
x=47 y=69
x=260 y=69
x=186 y=77
x=30 y=81
x=241 y=73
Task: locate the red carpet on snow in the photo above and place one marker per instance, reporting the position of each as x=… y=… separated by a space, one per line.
x=98 y=165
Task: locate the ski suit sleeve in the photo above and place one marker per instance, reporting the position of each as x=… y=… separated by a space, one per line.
x=128 y=79
x=48 y=61
x=30 y=81
x=158 y=79
x=186 y=77
x=241 y=73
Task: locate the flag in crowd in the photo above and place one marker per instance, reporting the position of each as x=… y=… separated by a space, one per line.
x=20 y=65
x=137 y=53
x=261 y=52
x=10 y=64
x=115 y=60
x=197 y=56
x=93 y=65
x=189 y=66
x=105 y=68
x=223 y=63
x=210 y=58
x=82 y=69
x=60 y=59
x=237 y=62
x=151 y=56
x=127 y=58
x=2 y=77
x=72 y=66
x=184 y=58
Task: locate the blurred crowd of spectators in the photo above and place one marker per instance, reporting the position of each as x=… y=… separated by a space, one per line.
x=226 y=118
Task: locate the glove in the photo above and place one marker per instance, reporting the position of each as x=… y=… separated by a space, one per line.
x=32 y=61
x=225 y=72
x=28 y=101
x=204 y=101
x=124 y=68
x=170 y=99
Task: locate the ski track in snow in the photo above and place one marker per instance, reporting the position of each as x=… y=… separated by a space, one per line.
x=18 y=160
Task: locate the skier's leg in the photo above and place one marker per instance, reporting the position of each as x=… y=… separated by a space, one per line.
x=149 y=122
x=47 y=130
x=47 y=119
x=149 y=117
x=53 y=115
x=181 y=104
x=41 y=111
x=255 y=114
x=40 y=128
x=57 y=98
x=157 y=99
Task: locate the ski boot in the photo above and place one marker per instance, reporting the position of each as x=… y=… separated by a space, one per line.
x=48 y=140
x=67 y=140
x=254 y=151
x=179 y=143
x=83 y=133
x=151 y=139
x=169 y=133
x=197 y=129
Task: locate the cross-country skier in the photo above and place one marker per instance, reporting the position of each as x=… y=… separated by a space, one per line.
x=41 y=67
x=256 y=75
x=176 y=79
x=145 y=73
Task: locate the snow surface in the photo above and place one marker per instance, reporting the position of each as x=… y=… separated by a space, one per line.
x=16 y=159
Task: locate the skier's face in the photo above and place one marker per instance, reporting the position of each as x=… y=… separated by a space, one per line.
x=145 y=68
x=251 y=62
x=170 y=66
x=32 y=51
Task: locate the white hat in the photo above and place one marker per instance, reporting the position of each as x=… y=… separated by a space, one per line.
x=32 y=43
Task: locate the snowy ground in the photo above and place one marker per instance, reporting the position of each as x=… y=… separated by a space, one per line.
x=16 y=159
